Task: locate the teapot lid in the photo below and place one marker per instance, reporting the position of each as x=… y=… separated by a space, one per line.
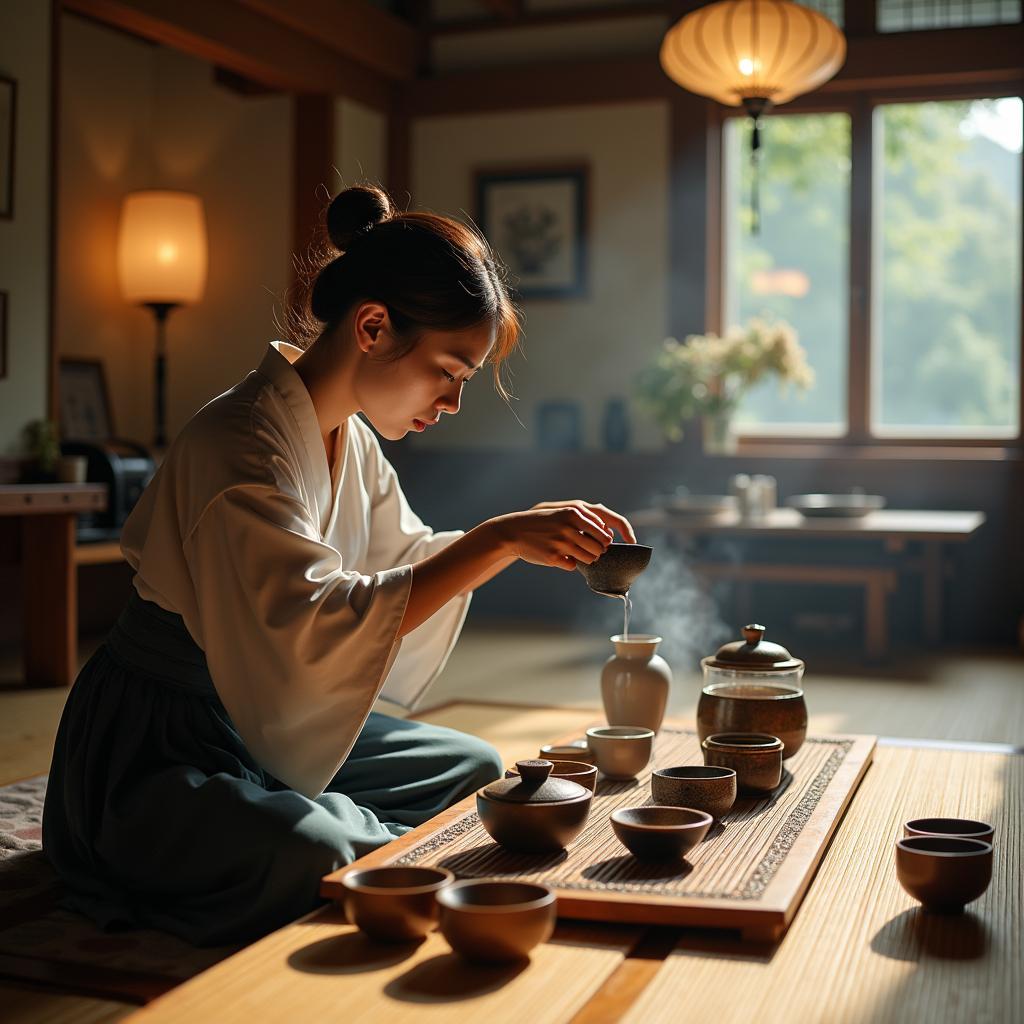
x=533 y=785
x=753 y=653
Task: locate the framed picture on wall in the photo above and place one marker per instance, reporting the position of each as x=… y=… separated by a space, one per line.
x=536 y=220
x=85 y=413
x=8 y=96
x=3 y=335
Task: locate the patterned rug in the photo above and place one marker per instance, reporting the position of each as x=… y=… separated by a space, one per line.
x=41 y=942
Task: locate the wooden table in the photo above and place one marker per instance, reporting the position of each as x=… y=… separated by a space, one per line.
x=859 y=949
x=895 y=529
x=44 y=515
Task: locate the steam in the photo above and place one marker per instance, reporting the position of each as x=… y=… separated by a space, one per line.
x=670 y=602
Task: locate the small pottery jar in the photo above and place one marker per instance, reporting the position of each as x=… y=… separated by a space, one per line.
x=755 y=757
x=754 y=686
x=635 y=682
x=705 y=788
x=532 y=812
x=942 y=872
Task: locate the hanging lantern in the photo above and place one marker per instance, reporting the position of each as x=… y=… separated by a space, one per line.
x=755 y=54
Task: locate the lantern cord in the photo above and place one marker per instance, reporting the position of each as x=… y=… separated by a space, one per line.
x=755 y=178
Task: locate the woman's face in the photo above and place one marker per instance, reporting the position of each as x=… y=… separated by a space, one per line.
x=411 y=393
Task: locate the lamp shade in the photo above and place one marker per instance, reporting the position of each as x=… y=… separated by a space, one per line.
x=161 y=247
x=741 y=50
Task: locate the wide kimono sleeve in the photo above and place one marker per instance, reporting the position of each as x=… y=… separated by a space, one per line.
x=298 y=645
x=399 y=536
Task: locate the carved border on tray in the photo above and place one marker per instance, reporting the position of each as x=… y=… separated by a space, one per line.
x=751 y=888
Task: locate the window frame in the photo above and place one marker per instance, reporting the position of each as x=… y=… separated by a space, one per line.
x=860 y=106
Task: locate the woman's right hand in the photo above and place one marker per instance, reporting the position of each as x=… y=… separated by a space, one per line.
x=558 y=537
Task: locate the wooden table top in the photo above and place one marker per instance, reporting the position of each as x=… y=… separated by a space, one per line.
x=908 y=524
x=43 y=499
x=860 y=949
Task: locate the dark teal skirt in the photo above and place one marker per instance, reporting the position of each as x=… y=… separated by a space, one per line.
x=158 y=816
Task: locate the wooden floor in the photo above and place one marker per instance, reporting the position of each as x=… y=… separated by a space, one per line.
x=975 y=697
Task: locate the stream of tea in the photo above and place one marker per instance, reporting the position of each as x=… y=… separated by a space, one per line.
x=627 y=607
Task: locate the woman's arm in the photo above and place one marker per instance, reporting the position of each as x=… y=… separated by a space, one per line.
x=559 y=537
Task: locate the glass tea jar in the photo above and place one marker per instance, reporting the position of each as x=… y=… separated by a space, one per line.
x=753 y=686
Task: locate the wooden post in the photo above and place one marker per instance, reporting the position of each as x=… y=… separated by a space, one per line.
x=50 y=606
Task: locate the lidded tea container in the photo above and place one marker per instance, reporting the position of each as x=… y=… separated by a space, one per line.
x=753 y=686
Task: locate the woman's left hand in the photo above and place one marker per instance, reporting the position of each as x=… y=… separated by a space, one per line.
x=609 y=519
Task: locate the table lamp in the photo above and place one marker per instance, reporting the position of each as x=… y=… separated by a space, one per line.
x=161 y=262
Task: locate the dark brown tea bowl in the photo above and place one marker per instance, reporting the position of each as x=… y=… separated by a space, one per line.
x=614 y=572
x=660 y=833
x=943 y=873
x=960 y=828
x=755 y=757
x=773 y=707
x=574 y=771
x=706 y=788
x=394 y=904
x=579 y=751
x=496 y=922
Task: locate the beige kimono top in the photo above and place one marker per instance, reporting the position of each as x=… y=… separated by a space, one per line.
x=290 y=574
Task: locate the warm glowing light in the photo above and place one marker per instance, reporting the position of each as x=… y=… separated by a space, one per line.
x=746 y=66
x=783 y=281
x=161 y=247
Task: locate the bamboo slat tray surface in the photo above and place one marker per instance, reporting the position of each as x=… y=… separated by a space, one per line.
x=748 y=875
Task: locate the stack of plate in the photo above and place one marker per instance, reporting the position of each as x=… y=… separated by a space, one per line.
x=702 y=506
x=836 y=506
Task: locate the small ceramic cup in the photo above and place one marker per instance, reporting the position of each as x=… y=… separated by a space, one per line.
x=703 y=787
x=496 y=922
x=578 y=751
x=660 y=833
x=621 y=751
x=755 y=757
x=394 y=904
x=943 y=873
x=574 y=771
x=960 y=828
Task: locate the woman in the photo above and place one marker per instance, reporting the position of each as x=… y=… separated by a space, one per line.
x=218 y=754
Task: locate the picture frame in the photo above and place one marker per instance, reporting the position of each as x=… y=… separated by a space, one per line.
x=85 y=411
x=3 y=335
x=8 y=117
x=536 y=221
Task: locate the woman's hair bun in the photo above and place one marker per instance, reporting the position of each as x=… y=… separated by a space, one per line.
x=354 y=212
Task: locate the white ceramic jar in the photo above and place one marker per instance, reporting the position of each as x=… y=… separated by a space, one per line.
x=635 y=682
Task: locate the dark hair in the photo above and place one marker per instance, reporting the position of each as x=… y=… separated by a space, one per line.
x=431 y=272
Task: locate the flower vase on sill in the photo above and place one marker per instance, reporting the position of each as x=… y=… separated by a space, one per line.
x=707 y=376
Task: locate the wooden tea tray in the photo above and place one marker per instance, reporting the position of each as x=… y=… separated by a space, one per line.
x=748 y=875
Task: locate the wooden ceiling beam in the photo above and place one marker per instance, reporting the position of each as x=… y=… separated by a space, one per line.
x=544 y=19
x=355 y=29
x=228 y=34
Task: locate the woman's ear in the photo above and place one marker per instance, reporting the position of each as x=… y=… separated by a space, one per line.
x=370 y=321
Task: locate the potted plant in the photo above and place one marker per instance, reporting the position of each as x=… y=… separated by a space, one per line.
x=707 y=376
x=43 y=451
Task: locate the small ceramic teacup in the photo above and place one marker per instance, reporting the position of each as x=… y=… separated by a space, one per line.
x=755 y=757
x=703 y=787
x=578 y=751
x=943 y=873
x=660 y=833
x=959 y=828
x=575 y=771
x=621 y=751
x=394 y=904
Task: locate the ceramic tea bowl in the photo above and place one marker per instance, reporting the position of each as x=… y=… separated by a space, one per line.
x=705 y=788
x=755 y=757
x=496 y=922
x=394 y=904
x=574 y=771
x=532 y=812
x=943 y=873
x=614 y=572
x=775 y=708
x=961 y=828
x=578 y=751
x=660 y=833
x=621 y=751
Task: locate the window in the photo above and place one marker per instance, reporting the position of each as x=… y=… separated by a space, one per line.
x=947 y=268
x=796 y=267
x=911 y=15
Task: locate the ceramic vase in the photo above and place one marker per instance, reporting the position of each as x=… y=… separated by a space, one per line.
x=635 y=682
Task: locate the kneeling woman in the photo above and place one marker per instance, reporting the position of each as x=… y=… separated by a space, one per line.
x=218 y=753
